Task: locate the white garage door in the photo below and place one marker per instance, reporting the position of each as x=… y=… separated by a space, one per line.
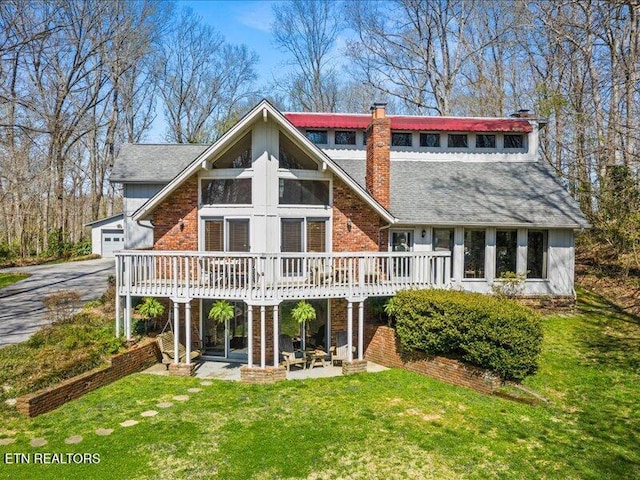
x=112 y=240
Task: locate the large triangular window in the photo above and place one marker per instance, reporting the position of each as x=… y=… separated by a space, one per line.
x=238 y=156
x=291 y=157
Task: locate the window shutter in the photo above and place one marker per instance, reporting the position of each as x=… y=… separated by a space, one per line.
x=316 y=236
x=238 y=235
x=213 y=236
x=291 y=235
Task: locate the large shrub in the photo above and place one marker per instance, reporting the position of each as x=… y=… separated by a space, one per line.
x=493 y=333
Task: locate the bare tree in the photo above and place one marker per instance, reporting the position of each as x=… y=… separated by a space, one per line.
x=201 y=79
x=413 y=49
x=307 y=31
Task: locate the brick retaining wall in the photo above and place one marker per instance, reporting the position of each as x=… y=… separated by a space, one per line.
x=259 y=375
x=383 y=349
x=135 y=360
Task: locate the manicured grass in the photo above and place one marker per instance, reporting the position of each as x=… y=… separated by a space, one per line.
x=387 y=425
x=7 y=279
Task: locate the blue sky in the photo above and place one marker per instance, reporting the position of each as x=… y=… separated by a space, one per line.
x=241 y=22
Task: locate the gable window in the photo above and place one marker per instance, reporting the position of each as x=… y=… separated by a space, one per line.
x=431 y=140
x=303 y=192
x=290 y=156
x=231 y=235
x=506 y=251
x=513 y=141
x=226 y=191
x=474 y=253
x=238 y=156
x=457 y=140
x=485 y=141
x=537 y=246
x=345 y=137
x=401 y=139
x=319 y=137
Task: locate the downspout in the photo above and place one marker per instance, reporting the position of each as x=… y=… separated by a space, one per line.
x=386 y=227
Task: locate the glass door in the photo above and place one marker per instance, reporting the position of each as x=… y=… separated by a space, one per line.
x=226 y=339
x=402 y=241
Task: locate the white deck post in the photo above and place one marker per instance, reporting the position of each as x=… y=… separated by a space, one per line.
x=176 y=332
x=263 y=334
x=187 y=332
x=118 y=297
x=250 y=336
x=350 y=330
x=360 y=329
x=118 y=316
x=127 y=315
x=276 y=349
x=201 y=328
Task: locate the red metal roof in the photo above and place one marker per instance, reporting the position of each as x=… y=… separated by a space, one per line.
x=439 y=124
x=329 y=120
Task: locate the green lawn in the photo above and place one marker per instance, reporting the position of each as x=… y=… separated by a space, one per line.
x=7 y=279
x=387 y=425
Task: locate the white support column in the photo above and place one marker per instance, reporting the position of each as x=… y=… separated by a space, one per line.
x=201 y=327
x=118 y=316
x=350 y=330
x=276 y=349
x=360 y=329
x=250 y=336
x=263 y=334
x=176 y=332
x=118 y=299
x=128 y=317
x=187 y=332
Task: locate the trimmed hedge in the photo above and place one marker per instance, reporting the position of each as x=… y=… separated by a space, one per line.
x=493 y=333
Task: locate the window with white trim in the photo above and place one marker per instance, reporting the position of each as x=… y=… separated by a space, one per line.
x=226 y=235
x=474 y=253
x=506 y=251
x=303 y=192
x=485 y=140
x=537 y=248
x=513 y=141
x=226 y=191
x=457 y=140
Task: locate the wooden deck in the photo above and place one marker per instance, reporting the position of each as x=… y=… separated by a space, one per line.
x=271 y=278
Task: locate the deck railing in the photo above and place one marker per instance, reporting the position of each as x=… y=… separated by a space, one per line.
x=275 y=277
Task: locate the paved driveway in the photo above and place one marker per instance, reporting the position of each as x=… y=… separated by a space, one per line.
x=21 y=309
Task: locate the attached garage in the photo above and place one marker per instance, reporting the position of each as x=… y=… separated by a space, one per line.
x=107 y=235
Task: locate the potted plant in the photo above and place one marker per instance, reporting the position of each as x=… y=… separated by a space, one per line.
x=221 y=311
x=150 y=309
x=302 y=313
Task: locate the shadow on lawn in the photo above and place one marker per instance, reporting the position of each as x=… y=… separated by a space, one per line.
x=609 y=344
x=612 y=336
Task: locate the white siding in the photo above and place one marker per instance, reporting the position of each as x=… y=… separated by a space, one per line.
x=265 y=212
x=138 y=234
x=560 y=268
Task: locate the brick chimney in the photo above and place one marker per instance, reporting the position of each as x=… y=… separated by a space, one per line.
x=377 y=178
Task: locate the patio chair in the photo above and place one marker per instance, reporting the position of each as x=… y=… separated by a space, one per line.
x=340 y=351
x=289 y=355
x=165 y=343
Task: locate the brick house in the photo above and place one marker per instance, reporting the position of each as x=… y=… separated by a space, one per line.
x=336 y=209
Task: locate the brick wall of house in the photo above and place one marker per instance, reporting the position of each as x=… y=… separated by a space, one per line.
x=181 y=204
x=138 y=358
x=364 y=235
x=384 y=350
x=378 y=166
